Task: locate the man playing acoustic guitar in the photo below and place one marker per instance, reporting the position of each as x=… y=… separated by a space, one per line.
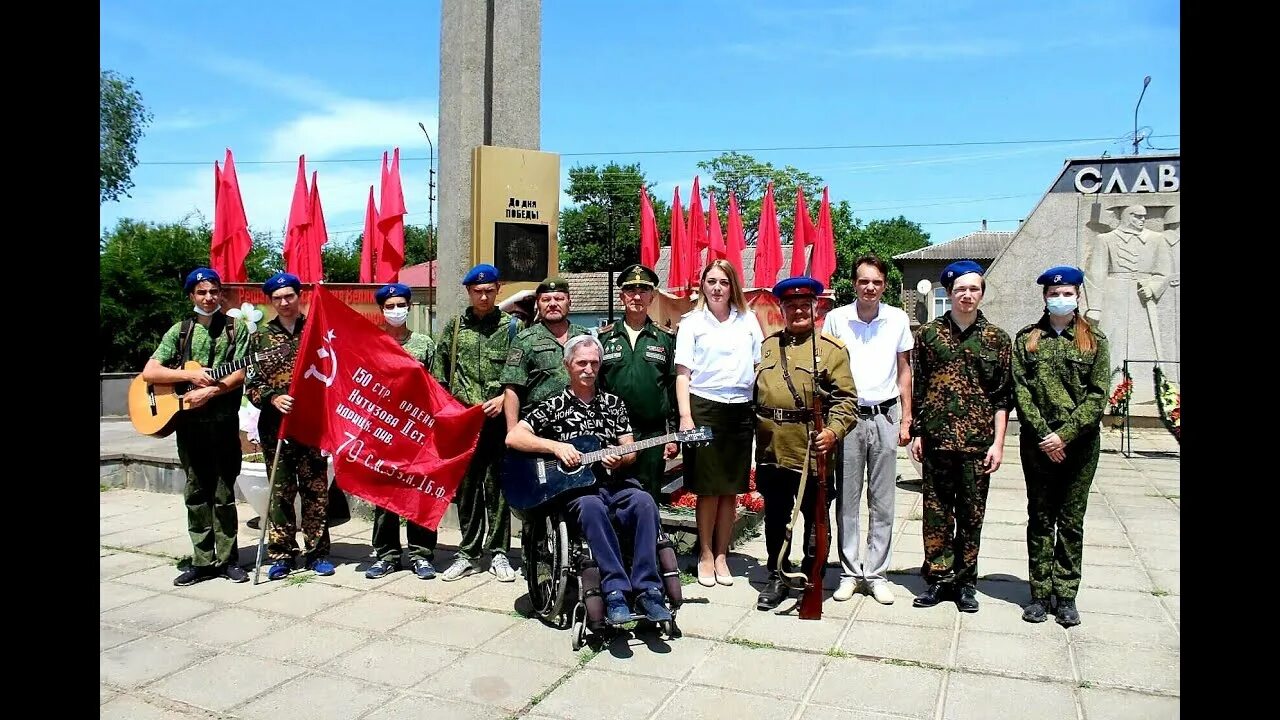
x=208 y=429
x=616 y=496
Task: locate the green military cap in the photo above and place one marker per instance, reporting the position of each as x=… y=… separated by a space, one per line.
x=637 y=275
x=553 y=284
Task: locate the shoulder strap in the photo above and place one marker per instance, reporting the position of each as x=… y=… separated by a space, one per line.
x=453 y=354
x=512 y=329
x=184 y=341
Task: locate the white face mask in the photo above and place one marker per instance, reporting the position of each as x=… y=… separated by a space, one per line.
x=396 y=316
x=1061 y=306
x=202 y=312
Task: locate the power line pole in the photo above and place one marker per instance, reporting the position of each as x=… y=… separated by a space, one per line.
x=431 y=179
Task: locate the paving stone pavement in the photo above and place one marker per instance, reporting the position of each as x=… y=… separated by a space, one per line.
x=347 y=647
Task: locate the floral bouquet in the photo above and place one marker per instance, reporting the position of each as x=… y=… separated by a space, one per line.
x=1169 y=403
x=1120 y=396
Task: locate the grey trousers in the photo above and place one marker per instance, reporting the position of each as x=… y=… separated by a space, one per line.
x=870 y=460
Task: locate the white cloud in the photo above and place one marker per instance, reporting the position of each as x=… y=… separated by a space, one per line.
x=355 y=124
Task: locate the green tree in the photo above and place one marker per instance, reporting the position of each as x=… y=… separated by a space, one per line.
x=749 y=178
x=884 y=238
x=606 y=198
x=121 y=118
x=341 y=261
x=419 y=244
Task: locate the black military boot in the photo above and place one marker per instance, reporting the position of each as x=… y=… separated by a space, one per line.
x=1067 y=614
x=967 y=601
x=936 y=593
x=1037 y=611
x=775 y=591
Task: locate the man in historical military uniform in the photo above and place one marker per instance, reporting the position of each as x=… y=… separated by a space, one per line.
x=639 y=367
x=470 y=354
x=535 y=365
x=783 y=404
x=962 y=391
x=302 y=470
x=394 y=300
x=208 y=431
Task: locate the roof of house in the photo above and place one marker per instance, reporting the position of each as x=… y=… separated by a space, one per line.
x=590 y=292
x=420 y=275
x=981 y=245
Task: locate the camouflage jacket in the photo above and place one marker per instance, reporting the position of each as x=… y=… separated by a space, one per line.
x=959 y=381
x=535 y=364
x=783 y=443
x=1057 y=387
x=420 y=347
x=472 y=374
x=271 y=376
x=208 y=355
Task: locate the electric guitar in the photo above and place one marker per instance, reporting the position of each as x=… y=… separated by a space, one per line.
x=531 y=479
x=153 y=407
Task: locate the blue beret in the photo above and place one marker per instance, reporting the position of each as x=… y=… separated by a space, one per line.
x=483 y=273
x=1061 y=275
x=386 y=292
x=958 y=268
x=801 y=286
x=281 y=280
x=199 y=275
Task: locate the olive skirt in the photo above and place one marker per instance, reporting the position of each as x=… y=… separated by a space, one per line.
x=722 y=467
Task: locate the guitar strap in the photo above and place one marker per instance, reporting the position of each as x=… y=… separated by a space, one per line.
x=184 y=344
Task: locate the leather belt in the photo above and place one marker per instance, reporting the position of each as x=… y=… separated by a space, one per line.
x=783 y=414
x=867 y=411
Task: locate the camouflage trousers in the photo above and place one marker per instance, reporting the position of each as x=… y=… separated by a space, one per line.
x=386 y=537
x=955 y=502
x=1057 y=495
x=303 y=471
x=483 y=514
x=210 y=455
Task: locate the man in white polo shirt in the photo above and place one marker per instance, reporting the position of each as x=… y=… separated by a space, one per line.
x=878 y=338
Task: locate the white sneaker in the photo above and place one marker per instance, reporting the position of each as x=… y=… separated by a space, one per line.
x=846 y=590
x=502 y=569
x=460 y=568
x=881 y=592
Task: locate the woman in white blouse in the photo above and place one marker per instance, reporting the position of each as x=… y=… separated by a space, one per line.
x=717 y=348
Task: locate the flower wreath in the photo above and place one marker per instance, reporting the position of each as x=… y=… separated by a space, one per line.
x=1120 y=396
x=1169 y=403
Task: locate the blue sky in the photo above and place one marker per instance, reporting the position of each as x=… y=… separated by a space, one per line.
x=342 y=82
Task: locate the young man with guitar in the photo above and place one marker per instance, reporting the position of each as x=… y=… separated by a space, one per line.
x=786 y=443
x=614 y=496
x=207 y=427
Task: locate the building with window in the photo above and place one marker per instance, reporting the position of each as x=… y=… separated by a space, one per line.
x=927 y=264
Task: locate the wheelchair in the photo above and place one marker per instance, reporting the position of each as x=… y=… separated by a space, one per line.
x=564 y=582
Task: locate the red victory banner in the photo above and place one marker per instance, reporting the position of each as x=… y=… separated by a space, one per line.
x=398 y=439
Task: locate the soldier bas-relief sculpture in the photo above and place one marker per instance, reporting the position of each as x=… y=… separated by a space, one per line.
x=1128 y=272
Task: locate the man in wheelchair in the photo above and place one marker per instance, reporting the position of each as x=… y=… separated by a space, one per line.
x=614 y=497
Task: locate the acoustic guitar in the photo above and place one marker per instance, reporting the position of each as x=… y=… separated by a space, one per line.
x=531 y=479
x=154 y=407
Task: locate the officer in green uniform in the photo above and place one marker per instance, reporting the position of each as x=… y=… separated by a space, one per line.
x=962 y=390
x=471 y=349
x=783 y=403
x=639 y=367
x=394 y=300
x=534 y=369
x=208 y=433
x=302 y=471
x=1061 y=374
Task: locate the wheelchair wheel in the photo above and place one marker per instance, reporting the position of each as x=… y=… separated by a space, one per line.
x=545 y=543
x=579 y=628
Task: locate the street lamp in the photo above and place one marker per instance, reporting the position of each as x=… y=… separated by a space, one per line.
x=431 y=180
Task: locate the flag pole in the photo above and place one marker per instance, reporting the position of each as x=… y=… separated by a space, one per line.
x=266 y=520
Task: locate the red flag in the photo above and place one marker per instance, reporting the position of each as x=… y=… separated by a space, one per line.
x=824 y=250
x=231 y=240
x=715 y=244
x=768 y=243
x=391 y=222
x=295 y=234
x=803 y=234
x=697 y=237
x=678 y=274
x=317 y=235
x=372 y=242
x=398 y=439
x=737 y=241
x=648 y=232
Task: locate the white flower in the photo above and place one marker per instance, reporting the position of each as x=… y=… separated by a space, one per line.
x=250 y=314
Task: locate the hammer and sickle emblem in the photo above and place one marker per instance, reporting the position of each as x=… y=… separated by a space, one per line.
x=329 y=354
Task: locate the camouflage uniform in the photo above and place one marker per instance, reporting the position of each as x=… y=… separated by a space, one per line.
x=302 y=469
x=1058 y=389
x=535 y=365
x=645 y=378
x=783 y=403
x=209 y=446
x=960 y=380
x=469 y=358
x=386 y=524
